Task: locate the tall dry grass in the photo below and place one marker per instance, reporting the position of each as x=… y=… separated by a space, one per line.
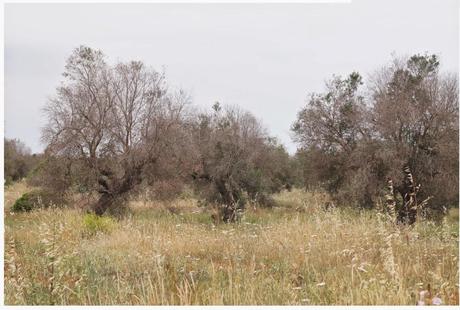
x=173 y=254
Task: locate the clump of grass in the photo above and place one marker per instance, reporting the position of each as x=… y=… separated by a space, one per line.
x=93 y=224
x=14 y=278
x=453 y=215
x=52 y=254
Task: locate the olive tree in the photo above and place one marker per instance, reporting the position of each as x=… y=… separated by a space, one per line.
x=116 y=121
x=415 y=115
x=408 y=122
x=235 y=160
x=331 y=130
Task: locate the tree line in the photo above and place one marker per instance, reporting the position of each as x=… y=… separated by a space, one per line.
x=115 y=129
x=19 y=160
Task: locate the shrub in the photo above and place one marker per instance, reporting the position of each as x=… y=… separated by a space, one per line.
x=23 y=204
x=93 y=224
x=37 y=199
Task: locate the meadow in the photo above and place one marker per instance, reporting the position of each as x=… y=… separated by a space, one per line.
x=171 y=253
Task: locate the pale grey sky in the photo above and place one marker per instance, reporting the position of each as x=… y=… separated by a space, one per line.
x=265 y=58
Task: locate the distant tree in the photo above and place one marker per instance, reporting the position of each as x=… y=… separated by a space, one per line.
x=281 y=170
x=18 y=160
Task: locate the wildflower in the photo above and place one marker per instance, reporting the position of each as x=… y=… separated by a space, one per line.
x=436 y=301
x=423 y=297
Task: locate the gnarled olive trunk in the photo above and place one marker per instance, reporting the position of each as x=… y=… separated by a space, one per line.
x=231 y=199
x=227 y=194
x=113 y=190
x=104 y=203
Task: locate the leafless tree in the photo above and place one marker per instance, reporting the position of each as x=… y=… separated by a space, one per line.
x=118 y=120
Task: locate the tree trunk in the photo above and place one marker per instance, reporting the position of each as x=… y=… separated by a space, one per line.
x=104 y=203
x=112 y=190
x=407 y=214
x=230 y=200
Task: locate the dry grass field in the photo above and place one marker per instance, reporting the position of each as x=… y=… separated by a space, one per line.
x=172 y=253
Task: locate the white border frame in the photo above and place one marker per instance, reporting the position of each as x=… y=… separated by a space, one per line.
x=2 y=91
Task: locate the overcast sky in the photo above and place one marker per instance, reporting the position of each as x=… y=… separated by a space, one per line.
x=265 y=58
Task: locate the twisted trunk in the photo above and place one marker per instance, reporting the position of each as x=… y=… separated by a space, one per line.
x=113 y=190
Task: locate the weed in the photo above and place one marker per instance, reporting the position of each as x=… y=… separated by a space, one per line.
x=94 y=224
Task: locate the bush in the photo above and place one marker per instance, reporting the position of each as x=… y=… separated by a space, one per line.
x=93 y=224
x=37 y=199
x=265 y=201
x=23 y=204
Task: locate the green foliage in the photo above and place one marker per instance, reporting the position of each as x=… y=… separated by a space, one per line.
x=423 y=65
x=93 y=224
x=23 y=204
x=37 y=199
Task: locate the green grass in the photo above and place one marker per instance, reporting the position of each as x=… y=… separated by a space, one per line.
x=94 y=224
